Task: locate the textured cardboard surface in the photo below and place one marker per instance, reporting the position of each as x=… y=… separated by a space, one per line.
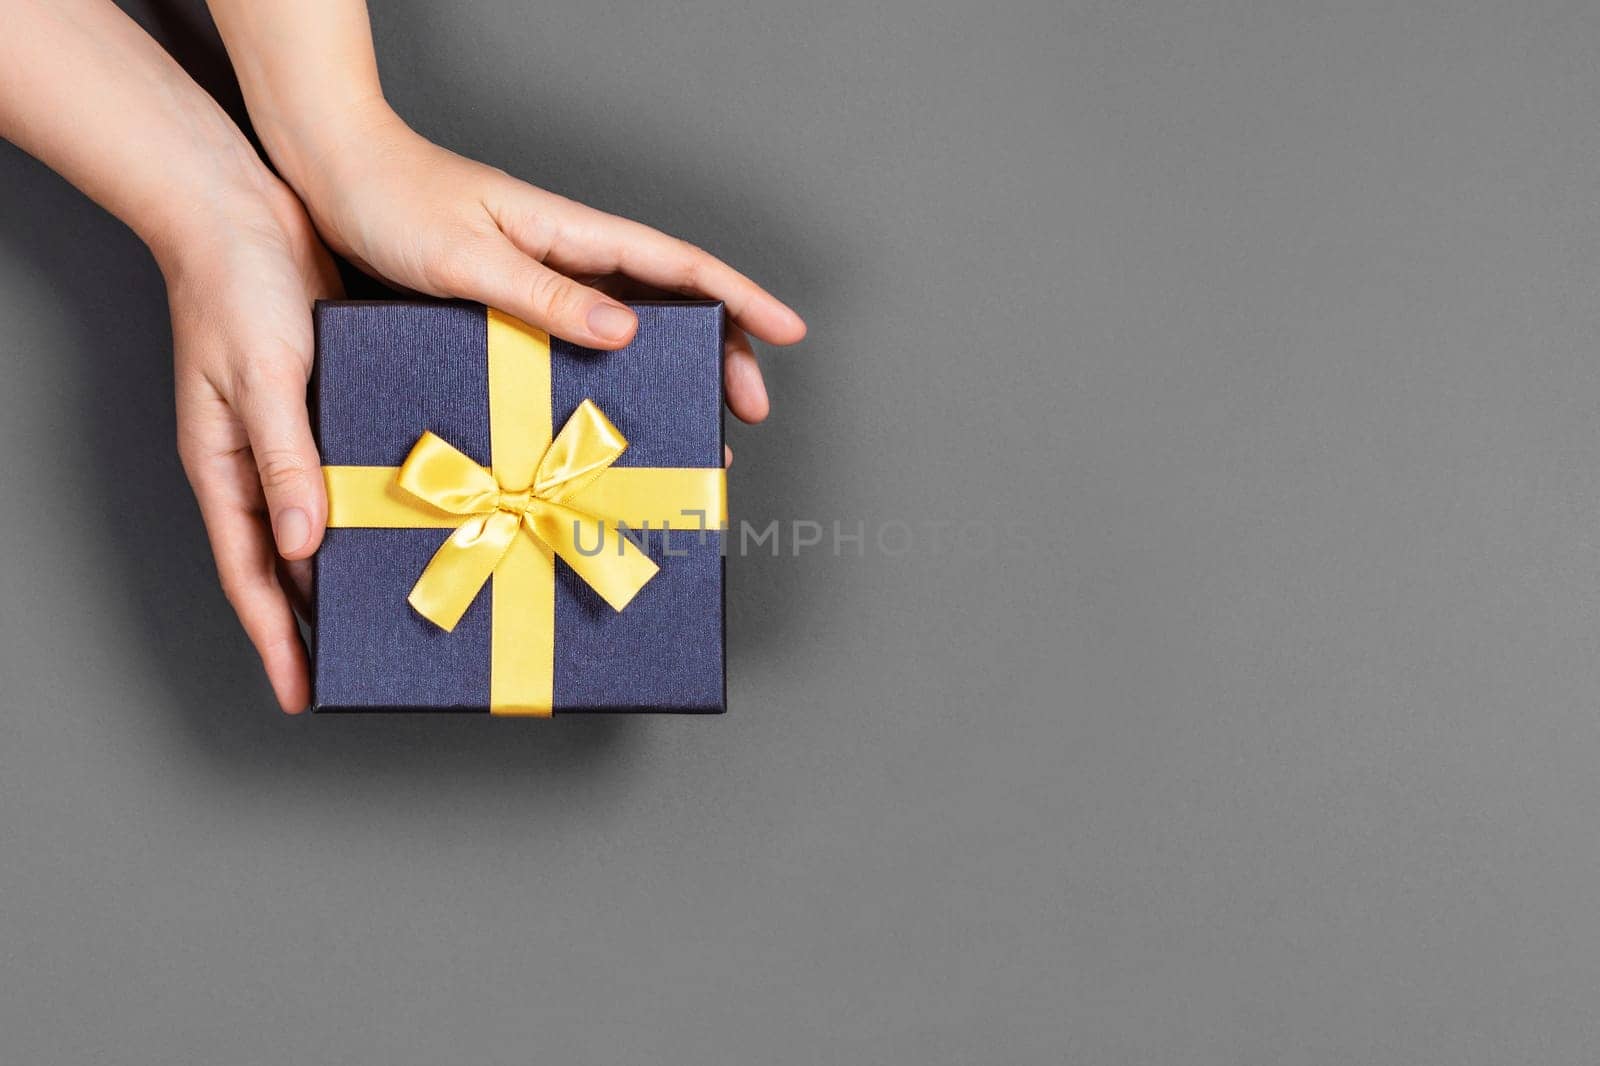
x=387 y=371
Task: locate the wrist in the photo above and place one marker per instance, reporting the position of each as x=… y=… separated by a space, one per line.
x=209 y=175
x=308 y=72
x=197 y=231
x=315 y=150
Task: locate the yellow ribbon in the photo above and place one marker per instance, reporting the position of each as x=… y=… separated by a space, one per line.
x=543 y=497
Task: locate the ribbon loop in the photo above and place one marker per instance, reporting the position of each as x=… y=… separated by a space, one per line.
x=437 y=473
x=581 y=452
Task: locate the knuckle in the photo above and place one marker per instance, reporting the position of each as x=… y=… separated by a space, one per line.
x=449 y=271
x=270 y=368
x=691 y=272
x=557 y=298
x=281 y=469
x=535 y=232
x=459 y=265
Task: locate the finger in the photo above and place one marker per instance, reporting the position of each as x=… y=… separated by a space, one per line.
x=294 y=576
x=247 y=567
x=727 y=457
x=272 y=403
x=741 y=378
x=743 y=385
x=657 y=259
x=497 y=273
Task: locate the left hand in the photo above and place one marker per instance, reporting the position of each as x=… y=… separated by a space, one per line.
x=241 y=284
x=426 y=219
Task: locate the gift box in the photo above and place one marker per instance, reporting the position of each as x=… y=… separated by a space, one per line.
x=518 y=525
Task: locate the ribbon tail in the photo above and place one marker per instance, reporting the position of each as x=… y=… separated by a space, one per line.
x=460 y=568
x=607 y=561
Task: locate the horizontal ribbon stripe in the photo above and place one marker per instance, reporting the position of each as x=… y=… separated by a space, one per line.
x=657 y=497
x=639 y=497
x=366 y=497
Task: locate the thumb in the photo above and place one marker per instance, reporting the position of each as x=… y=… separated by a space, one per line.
x=274 y=412
x=500 y=275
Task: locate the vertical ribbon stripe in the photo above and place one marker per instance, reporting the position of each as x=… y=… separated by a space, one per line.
x=519 y=399
x=522 y=640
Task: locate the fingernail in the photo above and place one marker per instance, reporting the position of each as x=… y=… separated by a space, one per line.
x=292 y=530
x=611 y=322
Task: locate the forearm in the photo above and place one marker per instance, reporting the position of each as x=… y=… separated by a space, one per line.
x=87 y=92
x=308 y=72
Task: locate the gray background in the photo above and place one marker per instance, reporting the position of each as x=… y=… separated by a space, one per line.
x=1273 y=322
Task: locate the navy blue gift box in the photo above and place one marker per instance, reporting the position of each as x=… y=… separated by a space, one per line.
x=388 y=371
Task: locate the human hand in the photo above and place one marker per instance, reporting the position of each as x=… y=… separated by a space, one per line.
x=86 y=90
x=424 y=218
x=240 y=287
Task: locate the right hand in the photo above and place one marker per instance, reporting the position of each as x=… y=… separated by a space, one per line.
x=426 y=219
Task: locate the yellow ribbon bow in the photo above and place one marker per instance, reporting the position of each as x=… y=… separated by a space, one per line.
x=439 y=474
x=539 y=500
